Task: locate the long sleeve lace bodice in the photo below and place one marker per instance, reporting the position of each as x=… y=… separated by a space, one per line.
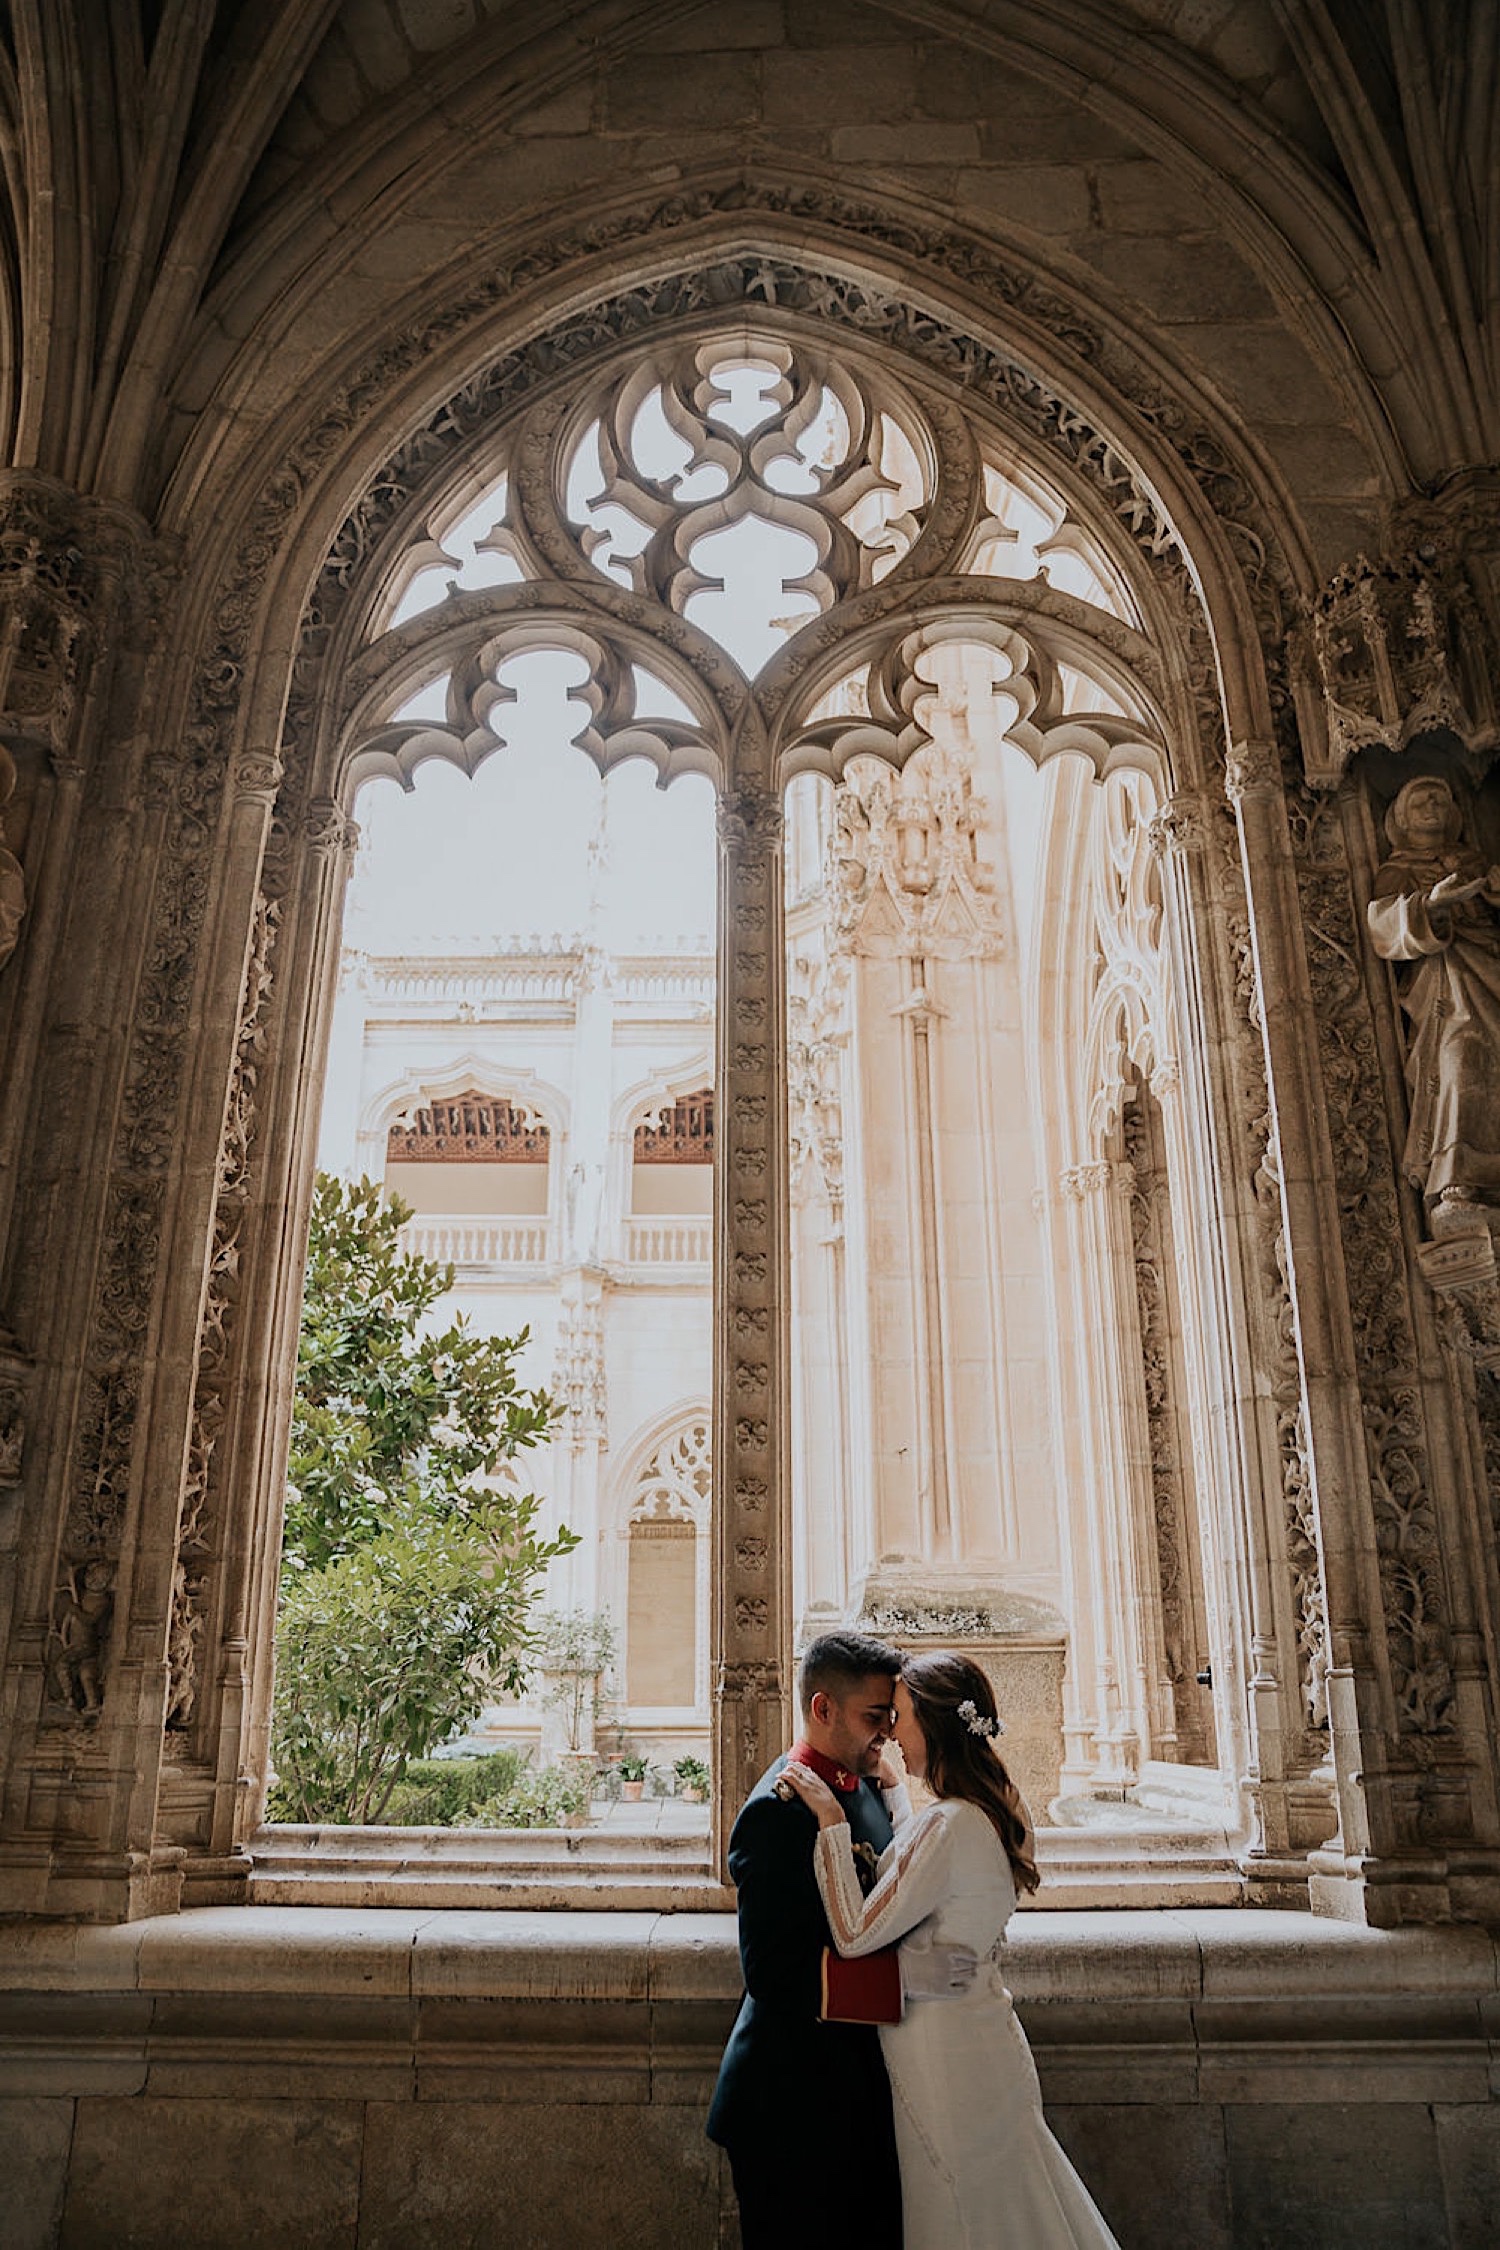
x=913 y=1878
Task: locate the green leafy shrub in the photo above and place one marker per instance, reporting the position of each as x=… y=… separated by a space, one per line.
x=443 y=1792
x=539 y=1797
x=408 y=1571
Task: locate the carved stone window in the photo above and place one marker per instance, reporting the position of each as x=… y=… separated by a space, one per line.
x=780 y=555
x=682 y=1133
x=666 y=1614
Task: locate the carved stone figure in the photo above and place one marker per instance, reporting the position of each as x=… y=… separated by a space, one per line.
x=80 y=1628
x=12 y=879
x=12 y=1439
x=1437 y=908
x=182 y=1651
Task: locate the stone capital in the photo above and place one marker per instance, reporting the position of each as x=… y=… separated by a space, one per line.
x=1252 y=772
x=749 y=823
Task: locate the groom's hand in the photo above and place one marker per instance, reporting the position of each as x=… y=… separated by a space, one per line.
x=937 y=1972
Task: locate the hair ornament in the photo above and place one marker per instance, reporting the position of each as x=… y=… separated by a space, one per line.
x=977 y=1723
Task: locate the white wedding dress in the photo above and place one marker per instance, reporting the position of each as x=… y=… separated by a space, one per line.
x=980 y=2169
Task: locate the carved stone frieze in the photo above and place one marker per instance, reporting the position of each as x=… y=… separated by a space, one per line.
x=1462 y=1273
x=1253 y=768
x=197 y=1531
x=1411 y=1565
x=1309 y=1605
x=1377 y=666
x=1179 y=825
x=12 y=1436
x=907 y=868
x=817 y=1040
x=69 y=566
x=12 y=875
x=1079 y=1180
x=1487 y=1392
x=579 y=1382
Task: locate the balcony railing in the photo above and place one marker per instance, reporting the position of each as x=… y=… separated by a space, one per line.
x=668 y=1242
x=526 y=1242
x=478 y=1242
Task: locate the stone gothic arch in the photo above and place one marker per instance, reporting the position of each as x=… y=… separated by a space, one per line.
x=274 y=705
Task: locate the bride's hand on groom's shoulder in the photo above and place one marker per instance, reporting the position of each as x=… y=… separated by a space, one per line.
x=891 y=1771
x=814 y=1792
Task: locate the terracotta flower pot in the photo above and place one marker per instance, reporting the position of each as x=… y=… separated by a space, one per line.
x=632 y=1791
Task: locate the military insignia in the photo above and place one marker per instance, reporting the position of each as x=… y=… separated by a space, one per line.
x=866 y=1862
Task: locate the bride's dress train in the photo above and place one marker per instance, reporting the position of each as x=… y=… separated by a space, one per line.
x=980 y=2169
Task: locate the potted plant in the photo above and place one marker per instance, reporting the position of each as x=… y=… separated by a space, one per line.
x=633 y=1769
x=574 y=1650
x=692 y=1780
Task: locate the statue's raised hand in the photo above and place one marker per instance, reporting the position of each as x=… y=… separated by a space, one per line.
x=1452 y=890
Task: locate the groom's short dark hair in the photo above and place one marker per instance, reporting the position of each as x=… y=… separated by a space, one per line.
x=836 y=1662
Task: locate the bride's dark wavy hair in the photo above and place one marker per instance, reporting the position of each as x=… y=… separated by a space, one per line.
x=963 y=1764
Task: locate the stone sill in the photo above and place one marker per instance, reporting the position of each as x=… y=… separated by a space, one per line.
x=1129 y=1956
x=1237 y=2006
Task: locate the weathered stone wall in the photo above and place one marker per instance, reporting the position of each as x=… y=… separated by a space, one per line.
x=1251 y=2081
x=1179 y=259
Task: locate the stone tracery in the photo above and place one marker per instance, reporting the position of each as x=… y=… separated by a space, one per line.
x=1065 y=429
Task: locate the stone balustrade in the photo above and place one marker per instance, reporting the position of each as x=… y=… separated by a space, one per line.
x=668 y=1242
x=478 y=1242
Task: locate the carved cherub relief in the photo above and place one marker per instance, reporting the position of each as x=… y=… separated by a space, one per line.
x=80 y=1630
x=1436 y=914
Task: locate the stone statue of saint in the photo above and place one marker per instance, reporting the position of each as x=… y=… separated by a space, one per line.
x=1436 y=909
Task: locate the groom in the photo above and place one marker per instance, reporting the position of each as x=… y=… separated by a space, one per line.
x=803 y=2105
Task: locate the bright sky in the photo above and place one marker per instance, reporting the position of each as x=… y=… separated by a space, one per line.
x=525 y=847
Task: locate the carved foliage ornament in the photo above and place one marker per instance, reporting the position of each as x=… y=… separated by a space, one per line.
x=676 y=1483
x=67 y=566
x=1376 y=662
x=579 y=1383
x=1406 y=1532
x=196 y=1538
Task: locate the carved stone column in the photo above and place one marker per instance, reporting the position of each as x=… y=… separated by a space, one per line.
x=217 y=1713
x=87 y=1103
x=206 y=1631
x=1413 y=1765
x=752 y=1440
x=1270 y=1657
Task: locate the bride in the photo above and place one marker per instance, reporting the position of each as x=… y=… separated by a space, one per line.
x=979 y=2166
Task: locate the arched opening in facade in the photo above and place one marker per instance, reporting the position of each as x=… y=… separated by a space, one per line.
x=525 y=988
x=669 y=1495
x=970 y=693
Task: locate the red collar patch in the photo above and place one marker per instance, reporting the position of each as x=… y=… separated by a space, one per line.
x=837 y=1777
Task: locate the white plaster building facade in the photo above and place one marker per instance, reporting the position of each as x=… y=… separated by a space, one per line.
x=545 y=1107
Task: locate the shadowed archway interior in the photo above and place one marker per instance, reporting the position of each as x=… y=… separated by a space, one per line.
x=1117 y=379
